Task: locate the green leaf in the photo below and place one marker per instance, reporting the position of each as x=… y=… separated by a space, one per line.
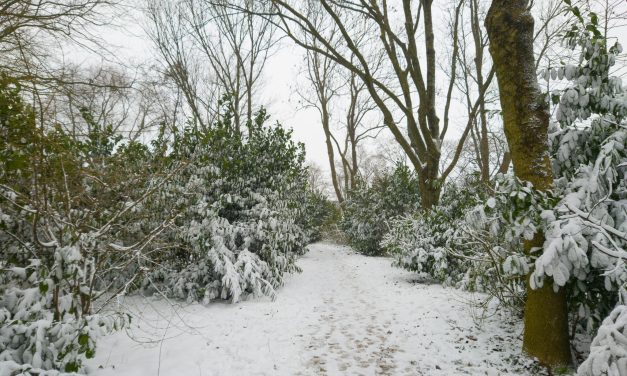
x=83 y=338
x=592 y=28
x=43 y=287
x=577 y=13
x=71 y=367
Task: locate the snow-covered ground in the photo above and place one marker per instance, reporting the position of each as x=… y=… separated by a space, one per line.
x=345 y=314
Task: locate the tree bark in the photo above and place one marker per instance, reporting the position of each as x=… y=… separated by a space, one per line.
x=484 y=146
x=430 y=186
x=504 y=166
x=526 y=119
x=327 y=134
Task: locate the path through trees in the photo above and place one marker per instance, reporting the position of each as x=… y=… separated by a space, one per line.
x=345 y=314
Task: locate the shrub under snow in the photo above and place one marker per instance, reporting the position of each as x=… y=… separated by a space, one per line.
x=211 y=214
x=370 y=207
x=428 y=243
x=239 y=205
x=55 y=227
x=608 y=351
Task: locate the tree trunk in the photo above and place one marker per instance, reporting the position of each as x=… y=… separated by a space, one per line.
x=429 y=184
x=355 y=165
x=429 y=197
x=327 y=133
x=504 y=166
x=484 y=146
x=510 y=29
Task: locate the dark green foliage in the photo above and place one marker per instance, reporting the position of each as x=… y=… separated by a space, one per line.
x=199 y=215
x=320 y=215
x=18 y=133
x=49 y=210
x=370 y=207
x=240 y=199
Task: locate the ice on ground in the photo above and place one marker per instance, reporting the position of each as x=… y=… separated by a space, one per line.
x=345 y=314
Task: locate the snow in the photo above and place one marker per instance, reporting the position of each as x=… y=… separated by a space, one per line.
x=345 y=314
x=608 y=354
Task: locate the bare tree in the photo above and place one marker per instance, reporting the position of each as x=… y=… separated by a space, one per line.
x=341 y=98
x=486 y=144
x=316 y=178
x=321 y=73
x=209 y=52
x=34 y=35
x=31 y=29
x=472 y=63
x=405 y=92
x=358 y=127
x=107 y=98
x=168 y=30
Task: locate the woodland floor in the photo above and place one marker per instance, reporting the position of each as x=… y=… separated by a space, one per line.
x=345 y=314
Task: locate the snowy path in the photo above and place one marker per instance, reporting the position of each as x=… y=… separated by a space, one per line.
x=346 y=314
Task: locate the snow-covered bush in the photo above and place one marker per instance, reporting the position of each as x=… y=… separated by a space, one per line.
x=592 y=89
x=427 y=243
x=496 y=228
x=457 y=244
x=586 y=231
x=608 y=351
x=319 y=215
x=199 y=215
x=239 y=203
x=582 y=218
x=41 y=324
x=56 y=223
x=369 y=208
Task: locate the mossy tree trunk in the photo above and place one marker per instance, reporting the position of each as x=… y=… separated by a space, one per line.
x=510 y=30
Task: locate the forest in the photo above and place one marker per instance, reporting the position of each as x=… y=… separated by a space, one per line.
x=320 y=187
